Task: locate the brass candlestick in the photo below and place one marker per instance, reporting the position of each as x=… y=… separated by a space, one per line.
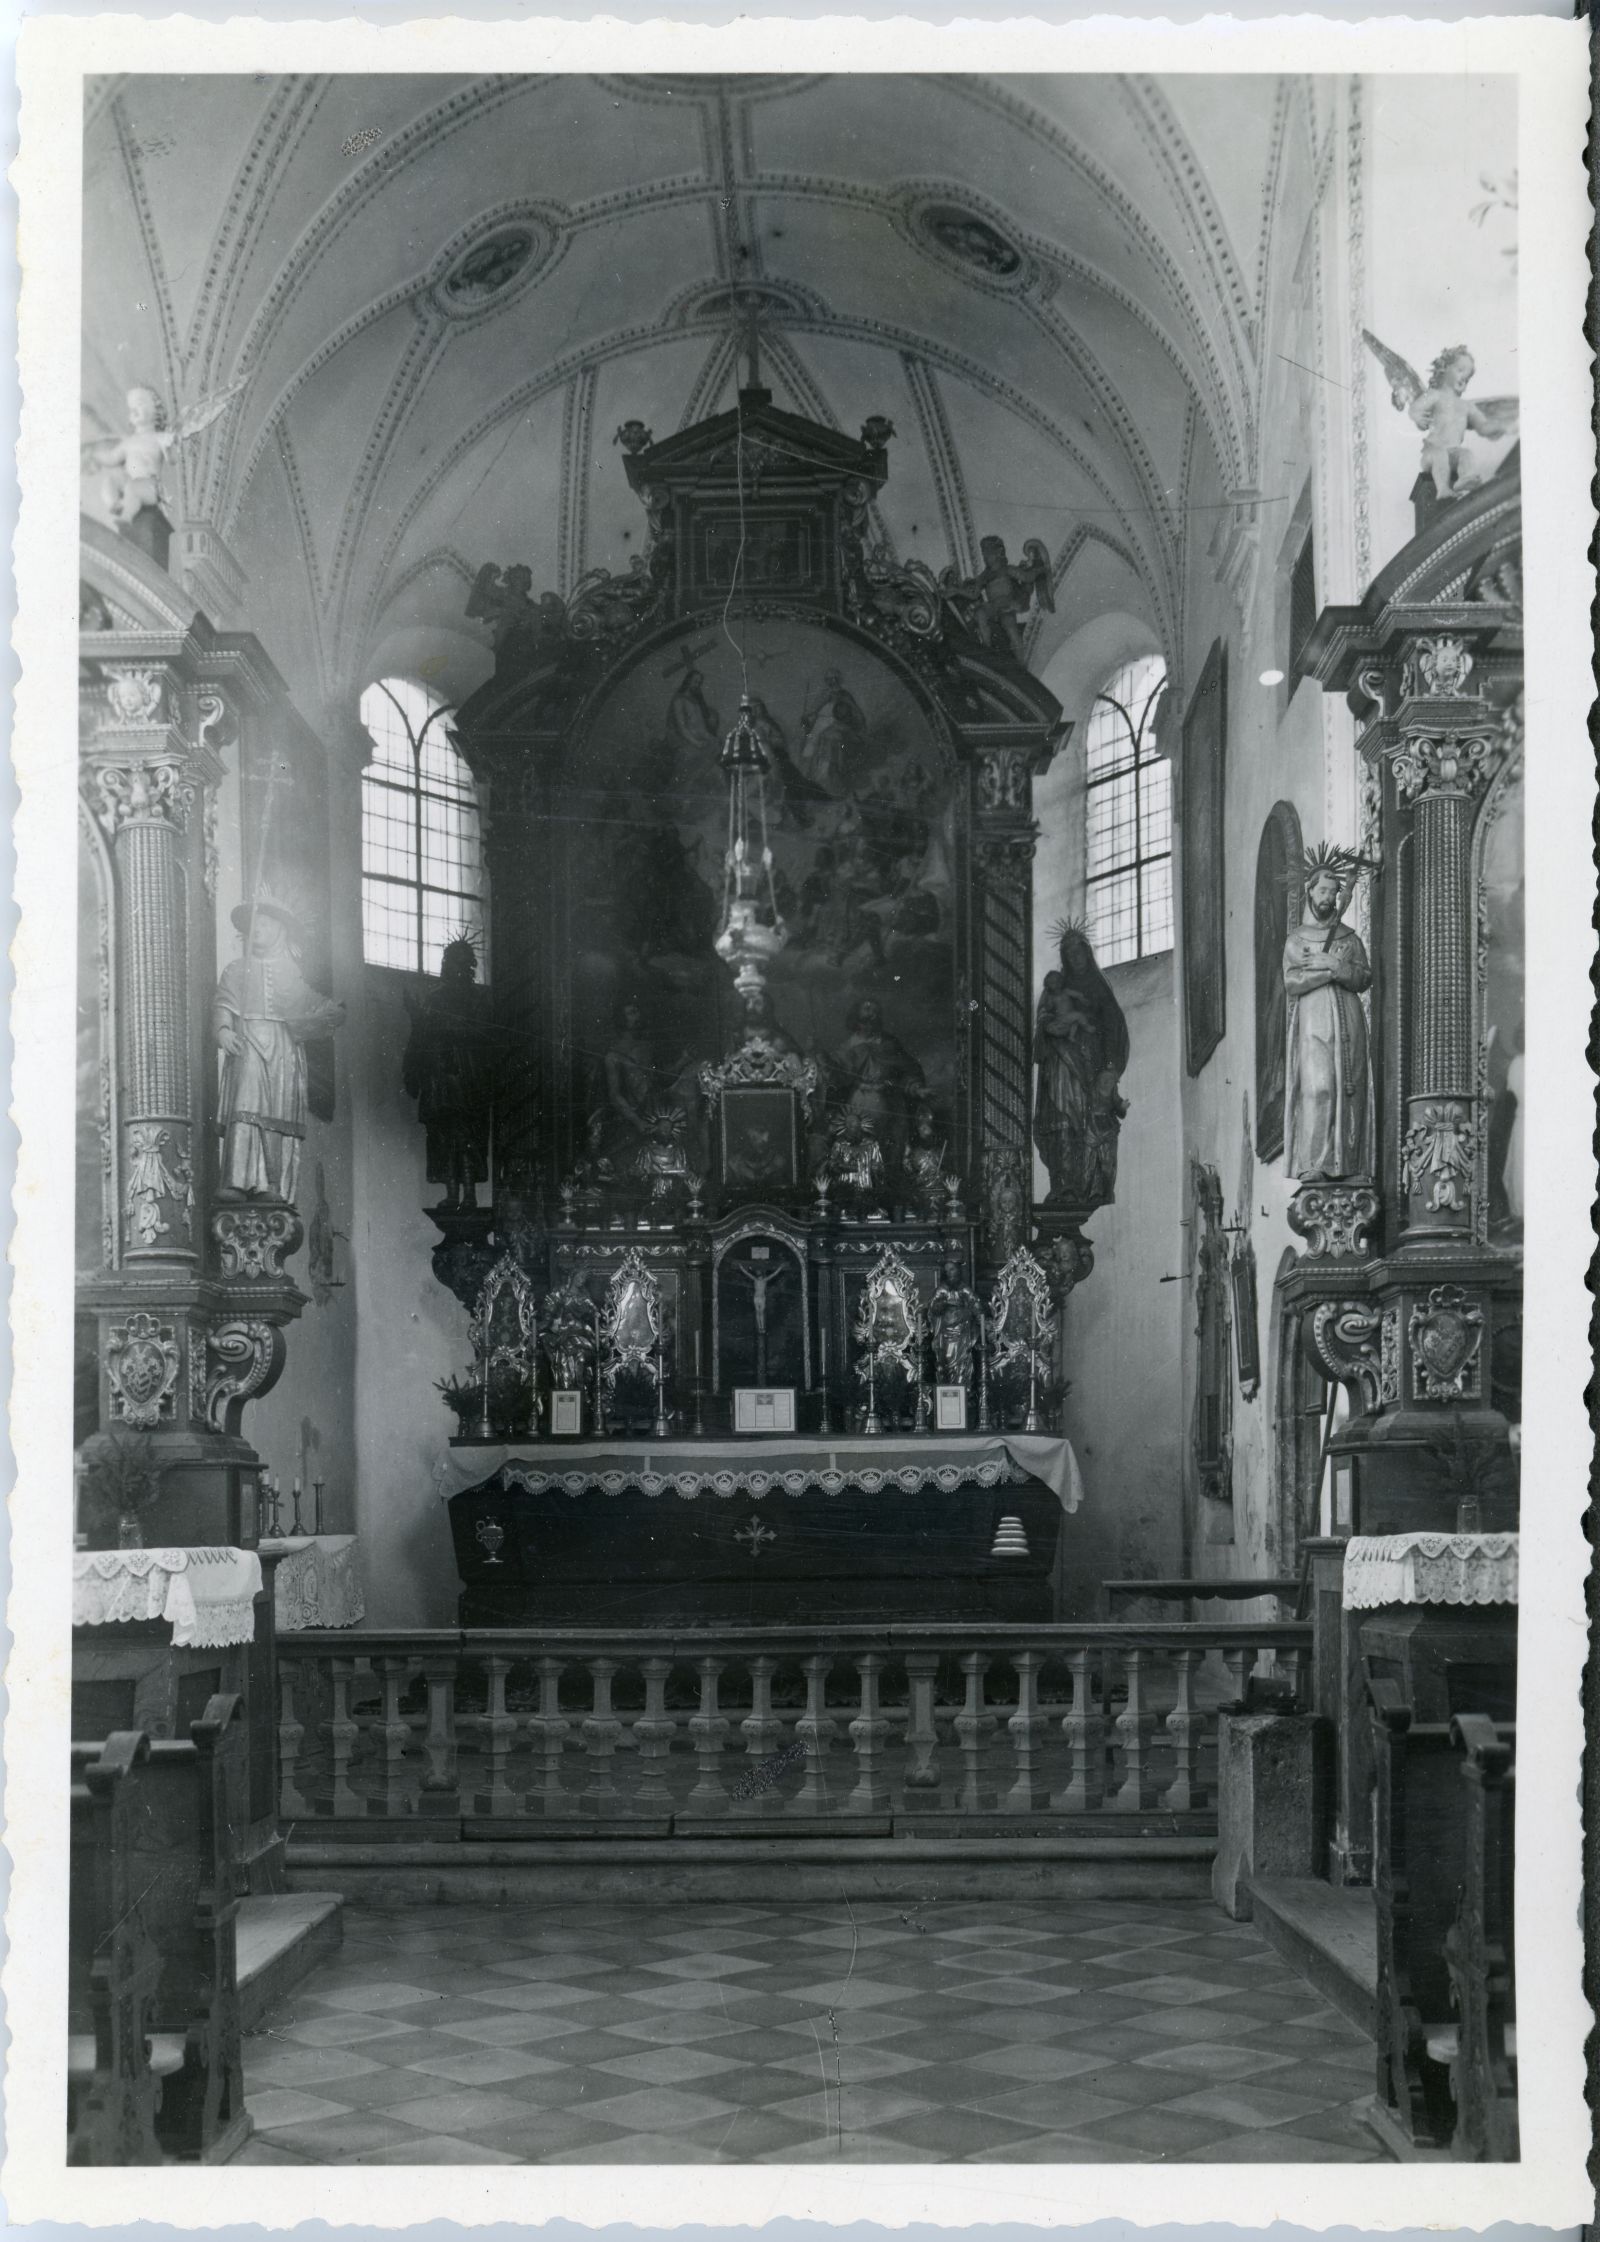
x=661 y=1427
x=316 y=1510
x=1031 y=1422
x=874 y=1423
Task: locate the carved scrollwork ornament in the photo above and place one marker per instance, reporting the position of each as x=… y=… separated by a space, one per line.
x=255 y=1241
x=142 y=1365
x=159 y=791
x=1354 y=1344
x=1445 y=1333
x=1005 y=860
x=1002 y=779
x=1440 y=763
x=1337 y=1220
x=1438 y=669
x=243 y=1359
x=1438 y=1154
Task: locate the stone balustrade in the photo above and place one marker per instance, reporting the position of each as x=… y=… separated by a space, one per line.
x=944 y=1726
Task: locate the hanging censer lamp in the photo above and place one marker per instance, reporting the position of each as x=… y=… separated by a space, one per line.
x=751 y=932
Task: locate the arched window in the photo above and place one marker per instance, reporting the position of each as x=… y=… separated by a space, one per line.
x=421 y=856
x=1129 y=822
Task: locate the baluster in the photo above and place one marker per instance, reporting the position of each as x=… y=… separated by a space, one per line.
x=1183 y=1726
x=922 y=1728
x=708 y=1727
x=816 y=1730
x=867 y=1732
x=1292 y=1665
x=1239 y=1660
x=653 y=1732
x=1133 y=1727
x=600 y=1729
x=395 y=1732
x=762 y=1732
x=1085 y=1732
x=291 y=1732
x=972 y=1725
x=550 y=1728
x=342 y=1734
x=499 y=1729
x=439 y=1745
x=1026 y=1724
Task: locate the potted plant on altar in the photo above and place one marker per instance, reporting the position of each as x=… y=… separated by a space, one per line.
x=1480 y=1467
x=121 y=1484
x=464 y=1399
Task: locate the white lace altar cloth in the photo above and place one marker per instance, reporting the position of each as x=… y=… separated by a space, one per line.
x=1384 y=1569
x=317 y=1583
x=207 y=1595
x=782 y=1465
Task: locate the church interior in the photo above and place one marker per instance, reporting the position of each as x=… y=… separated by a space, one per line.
x=798 y=1190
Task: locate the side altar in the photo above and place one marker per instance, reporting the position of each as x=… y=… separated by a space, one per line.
x=751 y=1079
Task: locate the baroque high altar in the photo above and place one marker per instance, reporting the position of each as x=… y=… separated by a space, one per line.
x=757 y=1042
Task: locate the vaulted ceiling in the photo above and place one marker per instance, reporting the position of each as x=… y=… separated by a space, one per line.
x=446 y=295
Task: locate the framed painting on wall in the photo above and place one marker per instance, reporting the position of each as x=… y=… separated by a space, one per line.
x=1205 y=736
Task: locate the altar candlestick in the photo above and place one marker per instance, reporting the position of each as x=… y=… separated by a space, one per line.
x=1031 y=1421
x=316 y=1491
x=874 y=1422
x=599 y=1382
x=661 y=1372
x=298 y=1528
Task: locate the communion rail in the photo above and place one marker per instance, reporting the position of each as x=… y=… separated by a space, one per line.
x=488 y=1734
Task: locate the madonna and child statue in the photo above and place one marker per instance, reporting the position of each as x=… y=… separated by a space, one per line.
x=1080 y=1048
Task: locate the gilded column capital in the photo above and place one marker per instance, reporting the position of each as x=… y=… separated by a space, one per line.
x=159 y=789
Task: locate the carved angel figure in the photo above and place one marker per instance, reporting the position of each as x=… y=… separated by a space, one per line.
x=995 y=604
x=1441 y=410
x=133 y=462
x=518 y=624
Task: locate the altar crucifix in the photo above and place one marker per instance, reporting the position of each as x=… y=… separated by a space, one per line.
x=760 y=1280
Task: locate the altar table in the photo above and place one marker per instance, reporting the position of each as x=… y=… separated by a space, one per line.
x=957 y=1526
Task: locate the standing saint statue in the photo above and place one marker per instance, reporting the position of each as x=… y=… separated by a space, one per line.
x=1080 y=1047
x=263 y=1015
x=955 y=1325
x=1328 y=1101
x=448 y=1070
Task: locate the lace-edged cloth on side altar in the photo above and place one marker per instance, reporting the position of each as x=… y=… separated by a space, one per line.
x=207 y=1596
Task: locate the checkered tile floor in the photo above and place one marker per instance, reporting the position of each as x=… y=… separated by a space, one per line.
x=1098 y=2032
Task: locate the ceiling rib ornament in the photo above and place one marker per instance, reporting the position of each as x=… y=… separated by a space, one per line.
x=443 y=560
x=577 y=447
x=291 y=105
x=709 y=382
x=547 y=220
x=467 y=105
x=427 y=343
x=948 y=481
x=1196 y=206
x=998 y=101
x=150 y=243
x=1269 y=199
x=290 y=467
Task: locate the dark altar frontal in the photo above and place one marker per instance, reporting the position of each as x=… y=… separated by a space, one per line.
x=785 y=1532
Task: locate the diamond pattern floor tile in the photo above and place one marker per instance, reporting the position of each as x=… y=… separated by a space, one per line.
x=1104 y=2032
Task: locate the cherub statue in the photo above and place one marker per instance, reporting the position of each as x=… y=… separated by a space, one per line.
x=518 y=624
x=1440 y=409
x=996 y=602
x=133 y=462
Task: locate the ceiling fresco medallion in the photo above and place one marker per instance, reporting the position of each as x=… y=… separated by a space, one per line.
x=483 y=272
x=973 y=241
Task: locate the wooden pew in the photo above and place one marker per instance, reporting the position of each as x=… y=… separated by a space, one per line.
x=114 y=2064
x=1480 y=1949
x=1416 y=1844
x=174 y=1871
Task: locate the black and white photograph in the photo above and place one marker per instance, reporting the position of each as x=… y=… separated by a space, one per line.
x=813 y=1006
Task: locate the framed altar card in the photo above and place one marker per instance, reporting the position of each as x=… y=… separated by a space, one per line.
x=763 y=1409
x=950 y=1408
x=566 y=1413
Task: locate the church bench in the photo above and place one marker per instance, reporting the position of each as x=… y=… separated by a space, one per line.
x=1442 y=1884
x=153 y=1911
x=114 y=2064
